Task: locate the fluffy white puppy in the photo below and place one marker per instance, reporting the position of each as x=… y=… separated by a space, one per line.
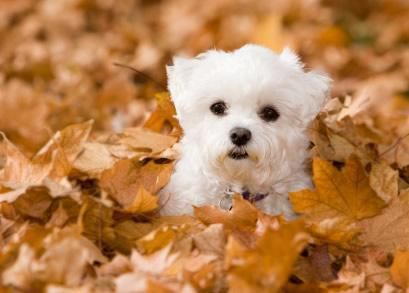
x=244 y=115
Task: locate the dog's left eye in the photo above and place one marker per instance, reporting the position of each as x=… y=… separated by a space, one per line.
x=218 y=108
x=269 y=114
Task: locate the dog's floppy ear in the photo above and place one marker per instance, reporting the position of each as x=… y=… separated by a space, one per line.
x=179 y=75
x=290 y=58
x=317 y=86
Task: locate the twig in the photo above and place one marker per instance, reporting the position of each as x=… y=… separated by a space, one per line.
x=142 y=74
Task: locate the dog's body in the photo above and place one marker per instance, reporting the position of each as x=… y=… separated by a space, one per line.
x=244 y=116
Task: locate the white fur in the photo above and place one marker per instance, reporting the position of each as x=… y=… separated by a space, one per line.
x=245 y=79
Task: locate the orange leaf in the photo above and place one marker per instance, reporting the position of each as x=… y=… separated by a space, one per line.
x=242 y=216
x=400 y=269
x=266 y=266
x=340 y=200
x=143 y=202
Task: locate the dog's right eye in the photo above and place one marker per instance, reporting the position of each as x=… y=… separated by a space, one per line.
x=218 y=108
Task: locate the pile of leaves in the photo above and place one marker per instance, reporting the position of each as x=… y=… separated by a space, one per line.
x=85 y=148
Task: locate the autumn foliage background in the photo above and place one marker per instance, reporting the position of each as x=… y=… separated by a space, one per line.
x=85 y=146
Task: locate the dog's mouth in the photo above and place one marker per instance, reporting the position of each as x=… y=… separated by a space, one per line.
x=238 y=154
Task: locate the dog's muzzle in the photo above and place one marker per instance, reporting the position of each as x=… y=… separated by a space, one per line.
x=238 y=153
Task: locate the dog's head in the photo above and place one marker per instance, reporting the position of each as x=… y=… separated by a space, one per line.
x=244 y=107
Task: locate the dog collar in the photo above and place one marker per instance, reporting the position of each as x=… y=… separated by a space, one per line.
x=226 y=201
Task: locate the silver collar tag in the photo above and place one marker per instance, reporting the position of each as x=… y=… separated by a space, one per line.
x=226 y=202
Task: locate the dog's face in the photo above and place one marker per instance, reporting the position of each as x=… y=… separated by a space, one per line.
x=244 y=109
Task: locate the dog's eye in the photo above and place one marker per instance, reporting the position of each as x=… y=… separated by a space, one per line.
x=218 y=108
x=269 y=114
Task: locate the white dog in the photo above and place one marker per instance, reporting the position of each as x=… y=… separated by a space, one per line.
x=244 y=115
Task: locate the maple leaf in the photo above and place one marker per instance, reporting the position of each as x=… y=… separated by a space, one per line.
x=266 y=266
x=52 y=162
x=165 y=113
x=144 y=202
x=242 y=216
x=400 y=269
x=389 y=230
x=147 y=141
x=341 y=198
x=132 y=183
x=65 y=145
x=384 y=180
x=170 y=229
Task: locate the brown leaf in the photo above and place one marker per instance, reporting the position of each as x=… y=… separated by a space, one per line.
x=66 y=257
x=34 y=202
x=131 y=183
x=400 y=269
x=53 y=161
x=65 y=145
x=177 y=232
x=165 y=113
x=18 y=172
x=144 y=202
x=243 y=215
x=266 y=266
x=384 y=180
x=340 y=197
x=154 y=263
x=211 y=240
x=147 y=141
x=389 y=230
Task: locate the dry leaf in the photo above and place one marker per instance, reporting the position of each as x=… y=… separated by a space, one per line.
x=341 y=198
x=266 y=266
x=243 y=215
x=400 y=269
x=146 y=141
x=132 y=183
x=389 y=230
x=384 y=180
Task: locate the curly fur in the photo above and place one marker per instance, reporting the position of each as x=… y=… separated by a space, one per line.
x=245 y=79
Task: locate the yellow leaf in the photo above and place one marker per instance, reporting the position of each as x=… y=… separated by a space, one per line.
x=146 y=141
x=242 y=216
x=126 y=180
x=384 y=180
x=346 y=192
x=143 y=202
x=341 y=199
x=400 y=269
x=266 y=266
x=389 y=230
x=165 y=113
x=66 y=144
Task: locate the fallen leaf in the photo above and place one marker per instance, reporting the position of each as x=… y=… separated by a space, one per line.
x=147 y=141
x=132 y=183
x=165 y=113
x=154 y=263
x=211 y=240
x=66 y=144
x=384 y=181
x=243 y=215
x=144 y=202
x=400 y=269
x=389 y=230
x=266 y=266
x=342 y=196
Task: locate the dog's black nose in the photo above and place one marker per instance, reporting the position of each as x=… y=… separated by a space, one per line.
x=240 y=136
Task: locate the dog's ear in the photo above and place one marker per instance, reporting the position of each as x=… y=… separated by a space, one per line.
x=288 y=57
x=316 y=85
x=178 y=76
x=317 y=88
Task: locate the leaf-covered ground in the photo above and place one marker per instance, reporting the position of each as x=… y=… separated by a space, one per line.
x=85 y=146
